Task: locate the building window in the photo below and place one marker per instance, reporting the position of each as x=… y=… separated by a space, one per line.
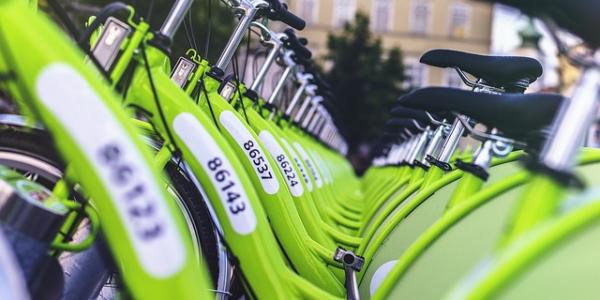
x=420 y=16
x=453 y=79
x=416 y=72
x=459 y=20
x=382 y=15
x=308 y=10
x=343 y=11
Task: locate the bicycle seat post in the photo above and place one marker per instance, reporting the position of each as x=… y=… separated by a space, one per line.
x=421 y=147
x=451 y=141
x=434 y=143
x=404 y=151
x=571 y=123
x=395 y=155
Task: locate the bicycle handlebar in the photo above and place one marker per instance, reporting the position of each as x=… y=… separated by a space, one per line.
x=292 y=42
x=279 y=12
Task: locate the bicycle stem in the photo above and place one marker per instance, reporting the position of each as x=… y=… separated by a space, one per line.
x=273 y=53
x=280 y=84
x=322 y=118
x=175 y=17
x=248 y=10
x=316 y=118
x=299 y=92
x=297 y=115
x=310 y=114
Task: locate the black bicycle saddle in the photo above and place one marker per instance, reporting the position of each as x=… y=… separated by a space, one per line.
x=516 y=115
x=498 y=71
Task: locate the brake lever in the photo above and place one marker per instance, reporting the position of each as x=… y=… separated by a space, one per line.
x=265 y=33
x=232 y=3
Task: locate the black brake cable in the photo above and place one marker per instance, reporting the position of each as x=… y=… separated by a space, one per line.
x=203 y=89
x=62 y=15
x=264 y=53
x=192 y=31
x=72 y=29
x=188 y=34
x=126 y=81
x=258 y=53
x=236 y=78
x=208 y=29
x=150 y=11
x=247 y=55
x=210 y=108
x=156 y=99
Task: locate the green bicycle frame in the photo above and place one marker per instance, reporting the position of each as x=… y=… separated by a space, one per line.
x=145 y=232
x=459 y=212
x=214 y=164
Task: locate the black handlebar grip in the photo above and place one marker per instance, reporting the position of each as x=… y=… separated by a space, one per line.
x=306 y=63
x=321 y=82
x=291 y=19
x=278 y=11
x=294 y=44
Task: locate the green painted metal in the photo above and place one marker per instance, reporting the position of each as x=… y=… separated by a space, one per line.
x=555 y=260
x=267 y=275
x=146 y=277
x=461 y=237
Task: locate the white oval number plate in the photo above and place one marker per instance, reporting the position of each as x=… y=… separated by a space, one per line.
x=125 y=174
x=283 y=162
x=322 y=167
x=219 y=169
x=252 y=149
x=299 y=164
x=309 y=164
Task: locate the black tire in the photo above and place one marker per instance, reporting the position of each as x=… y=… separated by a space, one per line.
x=195 y=204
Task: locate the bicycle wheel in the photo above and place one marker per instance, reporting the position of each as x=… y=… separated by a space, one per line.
x=31 y=153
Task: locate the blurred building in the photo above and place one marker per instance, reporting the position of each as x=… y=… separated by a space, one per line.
x=413 y=25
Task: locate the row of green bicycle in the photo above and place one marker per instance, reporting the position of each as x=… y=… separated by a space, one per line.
x=122 y=175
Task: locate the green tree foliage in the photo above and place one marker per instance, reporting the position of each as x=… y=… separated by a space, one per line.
x=365 y=79
x=222 y=20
